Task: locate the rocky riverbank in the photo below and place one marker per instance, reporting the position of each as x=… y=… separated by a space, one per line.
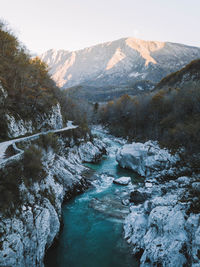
x=163 y=226
x=32 y=225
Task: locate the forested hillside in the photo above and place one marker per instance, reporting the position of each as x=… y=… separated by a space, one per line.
x=27 y=81
x=170 y=115
x=189 y=74
x=30 y=100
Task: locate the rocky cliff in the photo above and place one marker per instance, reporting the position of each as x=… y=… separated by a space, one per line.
x=15 y=124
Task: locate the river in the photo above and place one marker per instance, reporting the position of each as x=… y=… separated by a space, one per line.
x=92 y=235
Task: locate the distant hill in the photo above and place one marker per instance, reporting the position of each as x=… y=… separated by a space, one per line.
x=105 y=94
x=189 y=75
x=118 y=63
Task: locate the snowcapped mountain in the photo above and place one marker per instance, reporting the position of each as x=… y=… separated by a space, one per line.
x=120 y=62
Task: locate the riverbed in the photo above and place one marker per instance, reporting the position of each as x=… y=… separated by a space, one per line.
x=92 y=235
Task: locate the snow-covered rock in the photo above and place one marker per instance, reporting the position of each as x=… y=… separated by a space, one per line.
x=50 y=120
x=92 y=151
x=17 y=126
x=160 y=229
x=145 y=158
x=33 y=226
x=122 y=180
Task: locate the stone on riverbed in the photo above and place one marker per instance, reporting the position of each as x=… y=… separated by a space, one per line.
x=122 y=181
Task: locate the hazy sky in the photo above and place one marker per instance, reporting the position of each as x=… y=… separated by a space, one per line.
x=75 y=24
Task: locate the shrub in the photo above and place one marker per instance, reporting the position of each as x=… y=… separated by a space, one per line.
x=10 y=178
x=49 y=140
x=33 y=167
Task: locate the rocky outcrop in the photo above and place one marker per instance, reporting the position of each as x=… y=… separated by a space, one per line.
x=31 y=228
x=161 y=229
x=18 y=126
x=145 y=159
x=92 y=151
x=164 y=219
x=14 y=125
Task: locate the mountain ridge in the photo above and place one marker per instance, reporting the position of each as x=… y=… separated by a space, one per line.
x=120 y=62
x=106 y=42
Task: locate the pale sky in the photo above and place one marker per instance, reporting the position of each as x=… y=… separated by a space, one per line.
x=75 y=24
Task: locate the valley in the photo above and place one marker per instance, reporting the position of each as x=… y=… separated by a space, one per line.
x=145 y=211
x=100 y=155
x=92 y=233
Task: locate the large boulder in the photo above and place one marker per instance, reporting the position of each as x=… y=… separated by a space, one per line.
x=145 y=158
x=122 y=181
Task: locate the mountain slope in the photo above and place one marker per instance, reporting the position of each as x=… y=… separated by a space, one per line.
x=189 y=75
x=120 y=62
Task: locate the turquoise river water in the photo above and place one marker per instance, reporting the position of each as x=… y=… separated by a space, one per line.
x=92 y=235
